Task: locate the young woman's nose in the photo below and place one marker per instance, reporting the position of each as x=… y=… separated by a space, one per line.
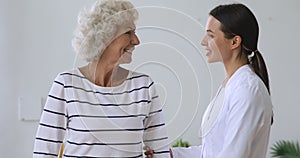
x=204 y=41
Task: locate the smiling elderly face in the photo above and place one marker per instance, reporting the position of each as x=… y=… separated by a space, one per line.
x=119 y=51
x=97 y=27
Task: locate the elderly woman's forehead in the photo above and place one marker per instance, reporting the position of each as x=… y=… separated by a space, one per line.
x=127 y=25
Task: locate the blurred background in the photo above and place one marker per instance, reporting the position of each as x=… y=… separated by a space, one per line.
x=35 y=45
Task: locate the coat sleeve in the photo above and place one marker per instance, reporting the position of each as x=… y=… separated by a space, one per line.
x=245 y=117
x=51 y=129
x=190 y=152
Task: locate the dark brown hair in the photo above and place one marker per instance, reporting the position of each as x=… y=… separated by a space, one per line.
x=237 y=19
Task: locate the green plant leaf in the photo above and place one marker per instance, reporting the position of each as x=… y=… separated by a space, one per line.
x=180 y=143
x=285 y=149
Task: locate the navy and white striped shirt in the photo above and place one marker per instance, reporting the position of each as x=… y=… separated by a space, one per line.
x=96 y=122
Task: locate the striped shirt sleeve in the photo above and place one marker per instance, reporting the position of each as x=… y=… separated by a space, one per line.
x=155 y=134
x=51 y=129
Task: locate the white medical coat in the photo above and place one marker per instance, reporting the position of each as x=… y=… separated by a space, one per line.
x=242 y=127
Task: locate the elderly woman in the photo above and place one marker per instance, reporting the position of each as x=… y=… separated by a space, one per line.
x=102 y=109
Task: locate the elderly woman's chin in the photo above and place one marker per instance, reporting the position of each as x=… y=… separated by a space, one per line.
x=126 y=58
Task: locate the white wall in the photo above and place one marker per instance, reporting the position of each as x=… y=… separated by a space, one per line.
x=35 y=45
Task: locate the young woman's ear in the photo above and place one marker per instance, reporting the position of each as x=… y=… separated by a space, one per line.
x=236 y=42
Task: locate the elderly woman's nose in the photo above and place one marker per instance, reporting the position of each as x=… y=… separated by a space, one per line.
x=135 y=40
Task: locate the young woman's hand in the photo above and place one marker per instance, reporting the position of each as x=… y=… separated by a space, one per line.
x=171 y=154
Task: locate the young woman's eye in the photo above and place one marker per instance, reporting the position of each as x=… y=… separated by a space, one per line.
x=210 y=35
x=128 y=32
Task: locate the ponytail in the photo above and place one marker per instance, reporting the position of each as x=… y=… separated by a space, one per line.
x=259 y=67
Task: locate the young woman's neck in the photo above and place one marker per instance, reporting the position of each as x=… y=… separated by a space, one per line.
x=234 y=64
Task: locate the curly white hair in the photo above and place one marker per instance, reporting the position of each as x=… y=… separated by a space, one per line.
x=98 y=26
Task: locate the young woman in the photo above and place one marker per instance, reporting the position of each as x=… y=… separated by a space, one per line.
x=237 y=122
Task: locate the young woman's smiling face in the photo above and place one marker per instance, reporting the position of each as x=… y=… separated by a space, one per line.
x=216 y=45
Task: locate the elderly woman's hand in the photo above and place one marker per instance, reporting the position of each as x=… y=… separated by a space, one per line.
x=149 y=152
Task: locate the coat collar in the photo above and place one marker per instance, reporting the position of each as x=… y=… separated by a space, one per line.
x=237 y=75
